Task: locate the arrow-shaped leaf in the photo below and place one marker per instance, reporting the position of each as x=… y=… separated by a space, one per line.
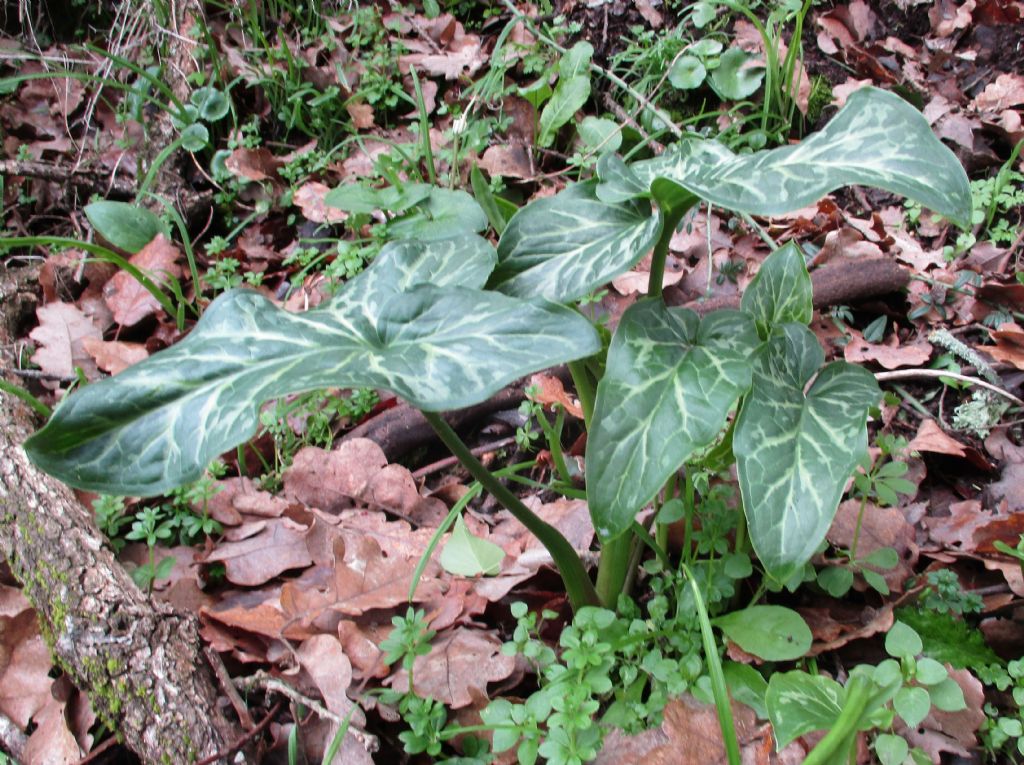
x=877 y=139
x=781 y=292
x=158 y=424
x=670 y=381
x=795 y=451
x=568 y=245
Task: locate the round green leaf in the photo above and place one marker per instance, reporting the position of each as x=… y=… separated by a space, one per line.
x=836 y=580
x=467 y=555
x=125 y=226
x=195 y=137
x=672 y=511
x=884 y=558
x=708 y=46
x=930 y=672
x=891 y=750
x=947 y=696
x=912 y=704
x=772 y=633
x=687 y=72
x=212 y=103
x=736 y=76
x=902 y=641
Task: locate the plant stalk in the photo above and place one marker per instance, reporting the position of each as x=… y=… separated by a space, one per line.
x=668 y=228
x=612 y=568
x=838 y=739
x=577 y=582
x=586 y=391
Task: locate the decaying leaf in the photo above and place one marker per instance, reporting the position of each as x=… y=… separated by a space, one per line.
x=60 y=336
x=129 y=301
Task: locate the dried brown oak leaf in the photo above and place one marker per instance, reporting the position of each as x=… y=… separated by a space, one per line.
x=879 y=527
x=280 y=546
x=24 y=659
x=459 y=666
x=114 y=356
x=60 y=335
x=127 y=299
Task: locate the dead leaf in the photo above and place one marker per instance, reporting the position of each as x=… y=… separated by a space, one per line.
x=1009 y=347
x=254 y=561
x=841 y=623
x=1006 y=91
x=114 y=356
x=932 y=438
x=129 y=301
x=889 y=354
x=508 y=161
x=60 y=335
x=361 y=114
x=689 y=734
x=369 y=579
x=254 y=164
x=310 y=199
x=548 y=391
x=52 y=743
x=879 y=527
x=459 y=664
x=324 y=660
x=24 y=661
x=649 y=13
x=331 y=480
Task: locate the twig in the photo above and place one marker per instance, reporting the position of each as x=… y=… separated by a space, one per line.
x=48 y=171
x=37 y=374
x=597 y=69
x=267 y=682
x=909 y=374
x=95 y=754
x=217 y=665
x=433 y=467
x=240 y=741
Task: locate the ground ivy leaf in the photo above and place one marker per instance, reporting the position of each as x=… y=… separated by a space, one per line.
x=670 y=381
x=568 y=245
x=440 y=346
x=795 y=450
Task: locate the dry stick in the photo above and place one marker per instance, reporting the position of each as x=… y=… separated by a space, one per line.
x=241 y=740
x=597 y=69
x=263 y=681
x=47 y=171
x=447 y=462
x=98 y=751
x=910 y=374
x=217 y=665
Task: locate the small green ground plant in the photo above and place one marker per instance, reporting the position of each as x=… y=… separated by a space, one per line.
x=444 y=320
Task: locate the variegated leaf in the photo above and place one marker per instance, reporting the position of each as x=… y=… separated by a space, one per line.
x=569 y=245
x=670 y=381
x=796 y=450
x=877 y=139
x=781 y=291
x=799 y=703
x=158 y=424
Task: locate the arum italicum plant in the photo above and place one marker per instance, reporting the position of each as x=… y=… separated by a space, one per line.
x=445 y=323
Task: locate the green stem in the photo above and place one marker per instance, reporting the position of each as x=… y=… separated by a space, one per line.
x=577 y=582
x=424 y=122
x=553 y=435
x=856 y=530
x=612 y=568
x=154 y=168
x=586 y=390
x=668 y=227
x=844 y=731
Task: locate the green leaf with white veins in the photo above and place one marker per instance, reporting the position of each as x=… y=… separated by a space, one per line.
x=414 y=323
x=799 y=703
x=670 y=380
x=796 y=450
x=877 y=139
x=569 y=245
x=781 y=292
